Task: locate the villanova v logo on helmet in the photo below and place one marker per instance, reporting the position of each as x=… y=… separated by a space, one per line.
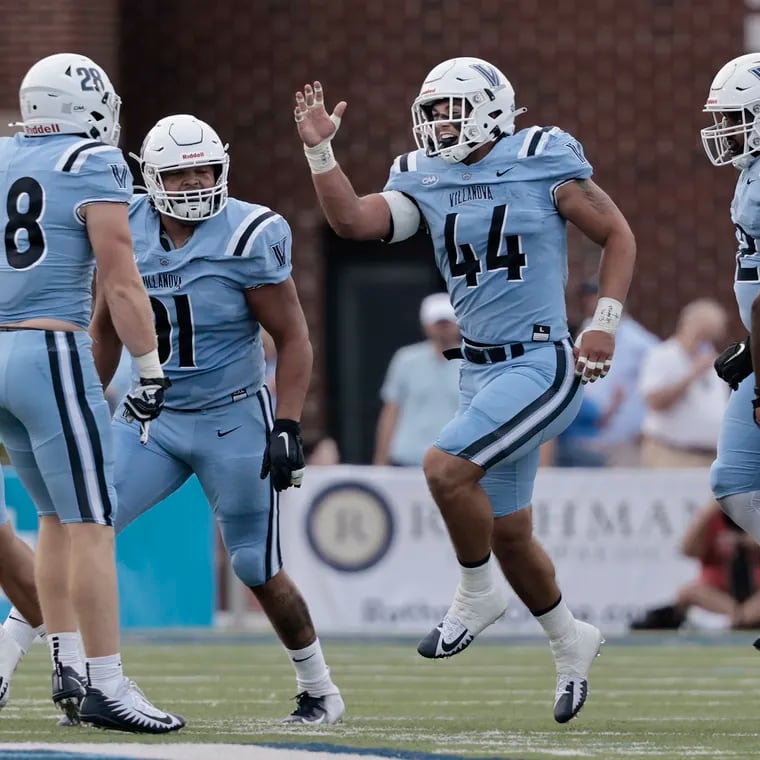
x=488 y=73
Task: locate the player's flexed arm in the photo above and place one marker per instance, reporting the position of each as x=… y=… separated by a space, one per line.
x=365 y=218
x=277 y=308
x=590 y=209
x=124 y=311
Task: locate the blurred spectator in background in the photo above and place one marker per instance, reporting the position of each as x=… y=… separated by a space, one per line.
x=578 y=445
x=729 y=575
x=685 y=398
x=320 y=450
x=421 y=389
x=620 y=406
x=317 y=449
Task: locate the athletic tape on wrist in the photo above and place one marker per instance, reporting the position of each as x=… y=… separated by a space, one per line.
x=607 y=315
x=320 y=157
x=148 y=365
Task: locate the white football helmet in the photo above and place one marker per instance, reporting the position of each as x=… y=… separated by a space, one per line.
x=484 y=95
x=68 y=93
x=178 y=142
x=735 y=90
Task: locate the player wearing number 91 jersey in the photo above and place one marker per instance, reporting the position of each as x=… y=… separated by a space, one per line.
x=217 y=270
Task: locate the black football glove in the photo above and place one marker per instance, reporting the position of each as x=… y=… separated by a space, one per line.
x=735 y=363
x=283 y=455
x=144 y=403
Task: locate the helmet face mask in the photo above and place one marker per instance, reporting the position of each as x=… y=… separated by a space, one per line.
x=734 y=102
x=68 y=93
x=182 y=142
x=731 y=141
x=481 y=107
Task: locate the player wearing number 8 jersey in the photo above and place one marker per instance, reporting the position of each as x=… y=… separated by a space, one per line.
x=495 y=204
x=217 y=269
x=65 y=188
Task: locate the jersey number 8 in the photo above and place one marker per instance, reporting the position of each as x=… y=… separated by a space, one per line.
x=24 y=237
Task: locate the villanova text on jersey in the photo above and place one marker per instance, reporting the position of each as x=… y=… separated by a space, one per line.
x=209 y=343
x=499 y=240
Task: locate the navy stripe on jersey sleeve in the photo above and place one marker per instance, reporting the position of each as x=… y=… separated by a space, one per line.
x=240 y=247
x=536 y=139
x=71 y=160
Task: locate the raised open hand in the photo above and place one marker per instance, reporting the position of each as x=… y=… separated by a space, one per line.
x=314 y=124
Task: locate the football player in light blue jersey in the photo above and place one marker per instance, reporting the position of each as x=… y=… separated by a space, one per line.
x=734 y=139
x=66 y=187
x=496 y=204
x=217 y=269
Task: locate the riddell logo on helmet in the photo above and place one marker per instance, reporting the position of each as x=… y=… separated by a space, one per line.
x=42 y=129
x=200 y=154
x=427 y=92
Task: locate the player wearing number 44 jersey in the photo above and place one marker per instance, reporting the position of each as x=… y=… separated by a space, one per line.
x=217 y=269
x=65 y=189
x=495 y=204
x=733 y=139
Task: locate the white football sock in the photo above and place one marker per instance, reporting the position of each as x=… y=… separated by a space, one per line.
x=20 y=631
x=312 y=673
x=105 y=673
x=558 y=623
x=65 y=648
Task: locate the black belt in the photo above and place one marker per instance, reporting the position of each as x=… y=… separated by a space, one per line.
x=486 y=355
x=747 y=274
x=16 y=329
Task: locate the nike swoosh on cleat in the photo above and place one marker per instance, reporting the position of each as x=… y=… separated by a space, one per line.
x=320 y=719
x=3 y=688
x=167 y=720
x=220 y=434
x=447 y=646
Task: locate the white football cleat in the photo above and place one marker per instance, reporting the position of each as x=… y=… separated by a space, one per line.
x=327 y=709
x=573 y=658
x=128 y=709
x=468 y=615
x=10 y=654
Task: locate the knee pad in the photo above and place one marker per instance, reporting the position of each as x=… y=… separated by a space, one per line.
x=249 y=566
x=744 y=510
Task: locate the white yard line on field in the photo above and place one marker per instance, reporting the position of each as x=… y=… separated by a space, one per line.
x=175 y=752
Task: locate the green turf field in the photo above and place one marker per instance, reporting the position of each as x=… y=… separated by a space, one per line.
x=673 y=700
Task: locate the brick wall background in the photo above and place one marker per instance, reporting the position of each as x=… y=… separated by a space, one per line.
x=628 y=79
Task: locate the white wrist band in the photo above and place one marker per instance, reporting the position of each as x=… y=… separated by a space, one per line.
x=148 y=364
x=607 y=315
x=320 y=157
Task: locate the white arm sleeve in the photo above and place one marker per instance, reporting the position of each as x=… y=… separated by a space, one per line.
x=404 y=213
